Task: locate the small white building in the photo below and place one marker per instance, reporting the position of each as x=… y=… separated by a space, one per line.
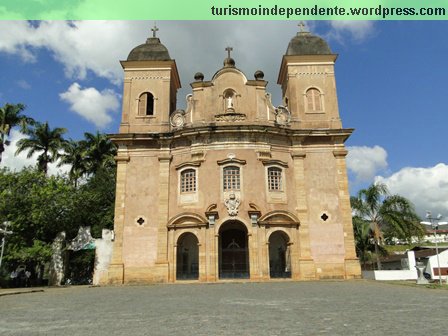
x=432 y=266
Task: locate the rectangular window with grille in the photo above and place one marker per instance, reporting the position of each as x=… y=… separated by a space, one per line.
x=231 y=178
x=275 y=179
x=188 y=181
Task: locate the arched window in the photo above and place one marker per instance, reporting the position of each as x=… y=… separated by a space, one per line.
x=188 y=180
x=314 y=100
x=231 y=178
x=275 y=179
x=146 y=104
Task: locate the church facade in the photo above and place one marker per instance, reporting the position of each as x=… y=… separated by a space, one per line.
x=232 y=187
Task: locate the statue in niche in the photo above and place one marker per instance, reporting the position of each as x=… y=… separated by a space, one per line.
x=229 y=103
x=229 y=96
x=232 y=203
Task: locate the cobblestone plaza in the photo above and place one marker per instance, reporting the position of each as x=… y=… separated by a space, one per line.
x=277 y=308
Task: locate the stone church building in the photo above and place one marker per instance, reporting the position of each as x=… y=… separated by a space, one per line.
x=232 y=187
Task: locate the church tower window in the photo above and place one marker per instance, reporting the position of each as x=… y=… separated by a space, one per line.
x=314 y=100
x=188 y=180
x=146 y=104
x=231 y=178
x=275 y=179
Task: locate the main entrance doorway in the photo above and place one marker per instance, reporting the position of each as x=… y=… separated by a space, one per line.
x=233 y=251
x=187 y=263
x=279 y=255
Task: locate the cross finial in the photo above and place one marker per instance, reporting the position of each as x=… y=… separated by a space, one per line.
x=228 y=49
x=302 y=26
x=154 y=30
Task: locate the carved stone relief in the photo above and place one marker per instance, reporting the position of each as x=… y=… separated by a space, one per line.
x=177 y=119
x=232 y=204
x=231 y=117
x=282 y=115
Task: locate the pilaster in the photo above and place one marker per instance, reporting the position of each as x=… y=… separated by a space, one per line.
x=306 y=263
x=162 y=232
x=352 y=266
x=116 y=268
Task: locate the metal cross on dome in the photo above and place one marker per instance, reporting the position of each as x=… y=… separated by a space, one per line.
x=228 y=49
x=154 y=30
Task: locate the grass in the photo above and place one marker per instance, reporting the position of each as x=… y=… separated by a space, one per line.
x=412 y=283
x=403 y=248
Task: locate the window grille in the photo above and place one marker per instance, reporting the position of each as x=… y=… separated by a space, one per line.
x=275 y=179
x=188 y=181
x=231 y=178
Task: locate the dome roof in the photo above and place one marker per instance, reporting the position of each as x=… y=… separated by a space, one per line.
x=152 y=50
x=304 y=43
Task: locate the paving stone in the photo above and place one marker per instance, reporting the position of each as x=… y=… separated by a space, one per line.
x=280 y=308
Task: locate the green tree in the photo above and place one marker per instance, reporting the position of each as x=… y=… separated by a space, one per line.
x=44 y=140
x=395 y=213
x=95 y=200
x=364 y=243
x=38 y=207
x=11 y=116
x=100 y=152
x=74 y=154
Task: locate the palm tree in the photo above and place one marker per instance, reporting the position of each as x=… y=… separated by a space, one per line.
x=42 y=139
x=74 y=154
x=11 y=116
x=364 y=241
x=100 y=151
x=383 y=211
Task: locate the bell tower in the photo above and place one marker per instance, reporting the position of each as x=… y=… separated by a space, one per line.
x=151 y=81
x=308 y=82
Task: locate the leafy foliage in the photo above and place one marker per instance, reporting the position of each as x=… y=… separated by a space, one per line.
x=10 y=117
x=41 y=206
x=393 y=215
x=44 y=140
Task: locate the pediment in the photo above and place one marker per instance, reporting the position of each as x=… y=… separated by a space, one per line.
x=279 y=217
x=186 y=220
x=226 y=74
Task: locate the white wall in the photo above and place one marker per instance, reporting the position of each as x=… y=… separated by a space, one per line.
x=390 y=275
x=432 y=263
x=409 y=274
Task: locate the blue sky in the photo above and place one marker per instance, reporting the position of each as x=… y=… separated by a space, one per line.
x=391 y=82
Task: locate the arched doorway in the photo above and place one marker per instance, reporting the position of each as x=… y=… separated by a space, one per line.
x=233 y=251
x=279 y=255
x=187 y=259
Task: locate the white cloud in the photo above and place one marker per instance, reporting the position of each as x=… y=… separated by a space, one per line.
x=80 y=46
x=91 y=104
x=358 y=30
x=427 y=188
x=17 y=36
x=95 y=47
x=366 y=162
x=23 y=84
x=18 y=162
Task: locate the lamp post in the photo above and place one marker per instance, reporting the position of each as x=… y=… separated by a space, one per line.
x=5 y=232
x=434 y=223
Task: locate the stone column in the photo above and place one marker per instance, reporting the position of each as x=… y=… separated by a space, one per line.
x=307 y=270
x=264 y=245
x=116 y=267
x=162 y=231
x=352 y=266
x=171 y=255
x=202 y=260
x=215 y=255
